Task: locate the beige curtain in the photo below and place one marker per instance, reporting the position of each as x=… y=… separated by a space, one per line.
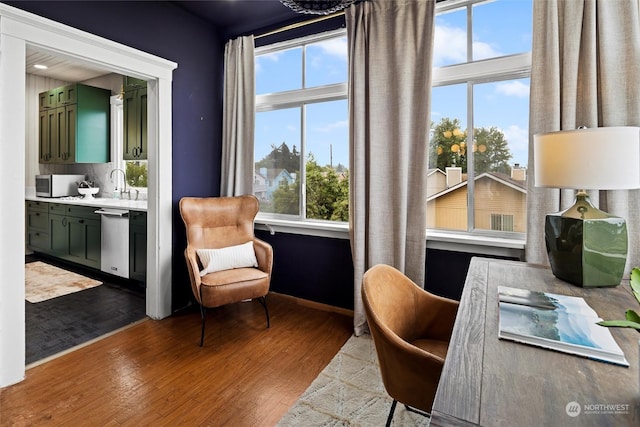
x=585 y=72
x=238 y=118
x=390 y=57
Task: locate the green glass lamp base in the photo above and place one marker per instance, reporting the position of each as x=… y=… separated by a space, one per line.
x=586 y=246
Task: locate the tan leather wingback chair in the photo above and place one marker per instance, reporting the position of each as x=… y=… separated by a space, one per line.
x=411 y=329
x=220 y=222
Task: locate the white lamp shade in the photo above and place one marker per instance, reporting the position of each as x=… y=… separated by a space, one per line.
x=605 y=158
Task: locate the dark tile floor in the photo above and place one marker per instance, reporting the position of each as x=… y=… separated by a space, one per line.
x=60 y=323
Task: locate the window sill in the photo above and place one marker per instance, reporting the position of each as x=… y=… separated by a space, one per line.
x=436 y=239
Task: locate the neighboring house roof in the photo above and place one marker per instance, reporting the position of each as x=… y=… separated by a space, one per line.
x=502 y=178
x=272 y=173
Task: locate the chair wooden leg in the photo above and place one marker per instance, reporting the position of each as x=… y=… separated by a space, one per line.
x=393 y=408
x=203 y=314
x=263 y=301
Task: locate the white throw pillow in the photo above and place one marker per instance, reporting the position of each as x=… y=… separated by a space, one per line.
x=227 y=258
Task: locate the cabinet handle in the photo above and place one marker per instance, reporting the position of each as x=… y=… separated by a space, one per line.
x=64 y=222
x=81 y=221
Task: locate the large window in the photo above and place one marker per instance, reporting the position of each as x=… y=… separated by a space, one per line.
x=479 y=122
x=301 y=131
x=479 y=117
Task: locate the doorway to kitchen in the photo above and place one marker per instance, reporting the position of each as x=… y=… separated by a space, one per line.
x=18 y=30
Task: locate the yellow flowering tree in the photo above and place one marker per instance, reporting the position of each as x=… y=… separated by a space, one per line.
x=449 y=147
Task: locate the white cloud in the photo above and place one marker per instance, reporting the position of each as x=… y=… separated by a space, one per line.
x=451 y=46
x=482 y=50
x=292 y=128
x=335 y=47
x=273 y=57
x=341 y=124
x=513 y=88
x=518 y=139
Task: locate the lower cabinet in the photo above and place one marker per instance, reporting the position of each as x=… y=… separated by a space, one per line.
x=72 y=233
x=75 y=234
x=138 y=246
x=38 y=226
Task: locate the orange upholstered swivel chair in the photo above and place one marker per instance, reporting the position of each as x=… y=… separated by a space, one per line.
x=411 y=329
x=226 y=263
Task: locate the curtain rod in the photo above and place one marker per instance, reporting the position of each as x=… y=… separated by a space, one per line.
x=299 y=25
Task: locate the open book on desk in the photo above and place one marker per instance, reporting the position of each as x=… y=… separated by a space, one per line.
x=557 y=322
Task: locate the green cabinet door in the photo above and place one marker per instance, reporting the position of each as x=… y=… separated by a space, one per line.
x=138 y=246
x=47 y=138
x=135 y=124
x=84 y=241
x=77 y=129
x=59 y=234
x=38 y=226
x=75 y=234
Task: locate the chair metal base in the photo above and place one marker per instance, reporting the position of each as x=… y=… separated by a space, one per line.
x=203 y=314
x=407 y=407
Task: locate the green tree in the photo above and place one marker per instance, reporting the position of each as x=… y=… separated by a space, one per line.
x=137 y=174
x=286 y=198
x=448 y=147
x=493 y=152
x=281 y=157
x=327 y=192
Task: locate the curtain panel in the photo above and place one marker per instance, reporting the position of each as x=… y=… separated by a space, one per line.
x=238 y=118
x=584 y=72
x=390 y=62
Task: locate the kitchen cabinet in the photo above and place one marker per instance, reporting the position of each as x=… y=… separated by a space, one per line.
x=138 y=245
x=74 y=124
x=75 y=234
x=135 y=119
x=38 y=226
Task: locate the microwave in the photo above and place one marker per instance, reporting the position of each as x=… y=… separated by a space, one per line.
x=57 y=185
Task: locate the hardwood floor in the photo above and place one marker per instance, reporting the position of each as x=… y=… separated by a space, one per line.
x=155 y=373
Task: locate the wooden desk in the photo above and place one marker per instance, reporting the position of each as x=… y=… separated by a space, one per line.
x=492 y=382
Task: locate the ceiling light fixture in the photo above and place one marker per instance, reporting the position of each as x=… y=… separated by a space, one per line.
x=318 y=7
x=40 y=67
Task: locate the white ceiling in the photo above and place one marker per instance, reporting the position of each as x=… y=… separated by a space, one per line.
x=60 y=67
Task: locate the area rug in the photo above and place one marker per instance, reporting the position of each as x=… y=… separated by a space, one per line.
x=349 y=392
x=44 y=281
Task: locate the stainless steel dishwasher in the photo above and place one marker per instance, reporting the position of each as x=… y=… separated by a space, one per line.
x=114 y=246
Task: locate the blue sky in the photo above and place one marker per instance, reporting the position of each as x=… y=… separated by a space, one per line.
x=501 y=28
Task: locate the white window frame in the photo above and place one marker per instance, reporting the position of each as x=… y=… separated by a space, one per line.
x=300 y=98
x=471 y=73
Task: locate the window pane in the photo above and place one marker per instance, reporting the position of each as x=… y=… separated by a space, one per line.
x=447 y=192
x=279 y=71
x=450 y=39
x=501 y=27
x=277 y=166
x=326 y=62
x=501 y=113
x=327 y=156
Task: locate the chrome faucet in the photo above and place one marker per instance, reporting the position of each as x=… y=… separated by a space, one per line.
x=124 y=174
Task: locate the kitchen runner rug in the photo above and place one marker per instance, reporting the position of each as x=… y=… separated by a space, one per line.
x=44 y=282
x=349 y=392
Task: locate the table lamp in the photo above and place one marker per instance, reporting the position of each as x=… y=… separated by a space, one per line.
x=586 y=246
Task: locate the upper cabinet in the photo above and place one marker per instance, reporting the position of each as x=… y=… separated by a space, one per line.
x=74 y=124
x=135 y=119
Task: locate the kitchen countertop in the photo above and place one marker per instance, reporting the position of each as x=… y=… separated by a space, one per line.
x=99 y=202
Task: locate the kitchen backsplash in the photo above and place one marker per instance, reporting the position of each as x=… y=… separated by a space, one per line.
x=99 y=173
